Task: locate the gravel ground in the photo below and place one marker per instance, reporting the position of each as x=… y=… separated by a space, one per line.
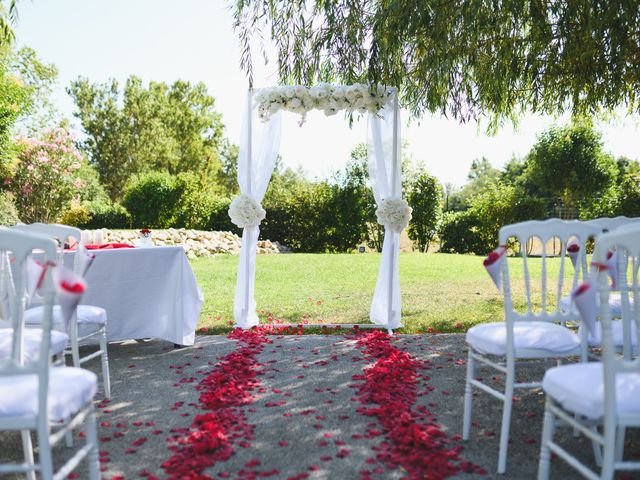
x=303 y=412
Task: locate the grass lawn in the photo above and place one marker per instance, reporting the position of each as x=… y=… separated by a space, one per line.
x=438 y=290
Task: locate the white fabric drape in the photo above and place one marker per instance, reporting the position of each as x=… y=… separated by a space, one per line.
x=259 y=146
x=383 y=152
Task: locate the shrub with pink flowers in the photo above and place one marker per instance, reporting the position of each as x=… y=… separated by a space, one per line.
x=45 y=176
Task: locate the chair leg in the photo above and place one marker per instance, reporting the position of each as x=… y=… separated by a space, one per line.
x=75 y=354
x=44 y=452
x=506 y=423
x=597 y=448
x=608 y=457
x=547 y=436
x=468 y=397
x=68 y=439
x=620 y=434
x=92 y=439
x=106 y=380
x=27 y=448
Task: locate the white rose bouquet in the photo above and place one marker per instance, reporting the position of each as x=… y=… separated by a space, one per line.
x=246 y=211
x=394 y=214
x=328 y=98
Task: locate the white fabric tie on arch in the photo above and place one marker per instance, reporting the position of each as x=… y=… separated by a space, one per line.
x=259 y=148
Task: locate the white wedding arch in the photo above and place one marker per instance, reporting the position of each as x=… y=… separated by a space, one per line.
x=259 y=146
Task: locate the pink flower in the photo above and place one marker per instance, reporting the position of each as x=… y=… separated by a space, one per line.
x=30 y=167
x=75 y=165
x=78 y=183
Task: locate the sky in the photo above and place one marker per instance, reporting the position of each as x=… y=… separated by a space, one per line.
x=167 y=40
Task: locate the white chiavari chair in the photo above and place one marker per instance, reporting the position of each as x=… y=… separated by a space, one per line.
x=527 y=334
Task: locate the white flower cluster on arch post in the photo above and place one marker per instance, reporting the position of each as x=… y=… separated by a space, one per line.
x=394 y=214
x=246 y=212
x=326 y=97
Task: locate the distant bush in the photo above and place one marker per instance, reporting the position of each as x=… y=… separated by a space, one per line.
x=629 y=197
x=219 y=217
x=460 y=233
x=319 y=218
x=425 y=198
x=45 y=175
x=498 y=205
x=8 y=210
x=98 y=214
x=151 y=199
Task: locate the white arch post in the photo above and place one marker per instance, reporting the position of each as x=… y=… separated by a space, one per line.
x=384 y=154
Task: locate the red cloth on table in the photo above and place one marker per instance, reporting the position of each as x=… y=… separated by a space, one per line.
x=107 y=246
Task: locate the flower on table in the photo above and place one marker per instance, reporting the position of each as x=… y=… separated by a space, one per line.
x=145 y=232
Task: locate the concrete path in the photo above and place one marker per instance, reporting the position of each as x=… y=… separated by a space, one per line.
x=304 y=416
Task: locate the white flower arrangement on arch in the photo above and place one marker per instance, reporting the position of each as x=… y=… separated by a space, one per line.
x=329 y=98
x=394 y=214
x=246 y=211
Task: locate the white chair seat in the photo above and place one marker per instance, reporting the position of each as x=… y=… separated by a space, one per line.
x=615 y=304
x=31 y=345
x=579 y=388
x=491 y=338
x=87 y=314
x=69 y=390
x=595 y=340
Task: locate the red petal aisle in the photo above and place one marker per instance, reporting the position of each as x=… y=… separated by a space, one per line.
x=389 y=392
x=223 y=393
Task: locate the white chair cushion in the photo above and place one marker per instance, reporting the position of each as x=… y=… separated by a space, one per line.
x=32 y=338
x=595 y=340
x=491 y=338
x=579 y=388
x=69 y=390
x=85 y=314
x=615 y=304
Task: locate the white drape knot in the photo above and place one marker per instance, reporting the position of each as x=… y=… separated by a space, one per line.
x=394 y=214
x=245 y=211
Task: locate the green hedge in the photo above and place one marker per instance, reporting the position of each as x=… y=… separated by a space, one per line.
x=98 y=214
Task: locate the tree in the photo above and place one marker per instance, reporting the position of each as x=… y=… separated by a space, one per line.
x=481 y=174
x=14 y=102
x=8 y=18
x=500 y=204
x=629 y=196
x=39 y=80
x=459 y=57
x=171 y=128
x=569 y=165
x=425 y=198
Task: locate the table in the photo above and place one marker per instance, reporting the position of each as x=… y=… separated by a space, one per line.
x=147 y=293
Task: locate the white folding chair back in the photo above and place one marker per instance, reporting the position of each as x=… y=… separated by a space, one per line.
x=603 y=393
x=61 y=233
x=620 y=327
x=549 y=289
x=32 y=395
x=534 y=324
x=609 y=224
x=88 y=321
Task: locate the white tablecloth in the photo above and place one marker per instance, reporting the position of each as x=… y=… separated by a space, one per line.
x=147 y=292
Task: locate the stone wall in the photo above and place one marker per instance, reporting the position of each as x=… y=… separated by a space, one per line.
x=196 y=243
